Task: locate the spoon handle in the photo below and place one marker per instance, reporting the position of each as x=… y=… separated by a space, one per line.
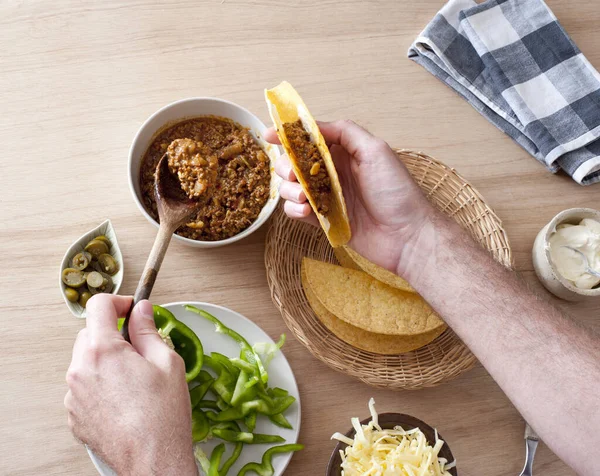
x=155 y=259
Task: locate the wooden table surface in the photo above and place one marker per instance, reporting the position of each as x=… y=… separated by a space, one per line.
x=77 y=79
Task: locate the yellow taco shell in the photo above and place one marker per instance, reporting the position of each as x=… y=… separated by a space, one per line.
x=364 y=302
x=286 y=106
x=349 y=258
x=365 y=340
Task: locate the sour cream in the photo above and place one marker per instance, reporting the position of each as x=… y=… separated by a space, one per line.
x=584 y=237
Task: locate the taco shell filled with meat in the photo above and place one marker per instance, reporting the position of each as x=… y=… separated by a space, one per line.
x=311 y=160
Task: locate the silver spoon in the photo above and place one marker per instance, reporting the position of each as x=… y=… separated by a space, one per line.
x=586 y=263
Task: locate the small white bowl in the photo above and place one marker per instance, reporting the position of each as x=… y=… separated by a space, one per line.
x=194 y=107
x=545 y=267
x=105 y=228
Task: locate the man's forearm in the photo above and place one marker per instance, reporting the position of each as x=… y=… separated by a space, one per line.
x=546 y=363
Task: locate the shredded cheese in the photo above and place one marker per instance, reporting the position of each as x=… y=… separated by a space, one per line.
x=396 y=452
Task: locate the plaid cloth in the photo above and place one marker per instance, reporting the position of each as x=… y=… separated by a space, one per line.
x=516 y=65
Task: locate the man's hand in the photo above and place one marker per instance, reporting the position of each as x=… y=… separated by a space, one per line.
x=387 y=209
x=129 y=403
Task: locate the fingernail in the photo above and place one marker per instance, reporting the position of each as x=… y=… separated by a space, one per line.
x=145 y=309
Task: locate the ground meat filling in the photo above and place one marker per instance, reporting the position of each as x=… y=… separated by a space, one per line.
x=311 y=165
x=194 y=165
x=242 y=185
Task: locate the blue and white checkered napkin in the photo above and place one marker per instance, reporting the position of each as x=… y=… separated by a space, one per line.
x=516 y=65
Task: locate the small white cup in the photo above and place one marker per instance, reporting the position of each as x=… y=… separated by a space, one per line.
x=187 y=109
x=545 y=267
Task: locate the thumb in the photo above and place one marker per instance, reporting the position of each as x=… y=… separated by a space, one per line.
x=144 y=336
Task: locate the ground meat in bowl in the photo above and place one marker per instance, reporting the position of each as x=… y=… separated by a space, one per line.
x=243 y=176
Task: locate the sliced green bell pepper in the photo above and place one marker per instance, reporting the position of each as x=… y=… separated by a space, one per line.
x=281 y=421
x=258 y=405
x=250 y=421
x=222 y=405
x=237 y=451
x=185 y=341
x=265 y=468
x=242 y=365
x=247 y=353
x=211 y=404
x=197 y=393
x=277 y=392
x=242 y=393
x=246 y=437
x=225 y=362
x=200 y=425
x=215 y=460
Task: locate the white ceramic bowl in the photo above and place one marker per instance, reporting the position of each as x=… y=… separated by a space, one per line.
x=545 y=267
x=105 y=228
x=194 y=107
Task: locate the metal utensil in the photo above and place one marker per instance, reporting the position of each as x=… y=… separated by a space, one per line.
x=531 y=443
x=586 y=263
x=174 y=209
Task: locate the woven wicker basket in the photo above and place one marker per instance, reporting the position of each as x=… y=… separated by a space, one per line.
x=288 y=241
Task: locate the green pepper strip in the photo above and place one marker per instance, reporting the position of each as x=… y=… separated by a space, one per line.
x=202 y=458
x=224 y=386
x=223 y=329
x=225 y=363
x=222 y=405
x=278 y=392
x=245 y=437
x=259 y=405
x=242 y=393
x=200 y=425
x=253 y=381
x=250 y=421
x=211 y=404
x=247 y=352
x=237 y=451
x=215 y=460
x=242 y=365
x=265 y=468
x=281 y=421
x=197 y=393
x=184 y=339
x=186 y=342
x=203 y=376
x=227 y=425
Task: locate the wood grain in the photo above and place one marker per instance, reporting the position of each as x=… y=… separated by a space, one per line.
x=79 y=78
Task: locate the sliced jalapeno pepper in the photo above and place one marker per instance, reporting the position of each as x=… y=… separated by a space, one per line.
x=103 y=238
x=84 y=297
x=74 y=278
x=81 y=260
x=96 y=248
x=72 y=294
x=108 y=263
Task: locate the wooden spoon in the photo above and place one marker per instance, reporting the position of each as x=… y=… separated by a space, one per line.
x=174 y=210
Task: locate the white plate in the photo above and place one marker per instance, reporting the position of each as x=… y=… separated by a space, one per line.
x=280 y=375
